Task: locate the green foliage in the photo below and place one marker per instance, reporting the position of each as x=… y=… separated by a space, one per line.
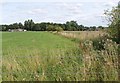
x=58 y=29
x=113 y=18
x=72 y=25
x=101 y=27
x=54 y=28
x=98 y=43
x=21 y=26
x=50 y=28
x=29 y=24
x=3 y=28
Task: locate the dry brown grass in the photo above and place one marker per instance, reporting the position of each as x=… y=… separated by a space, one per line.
x=83 y=35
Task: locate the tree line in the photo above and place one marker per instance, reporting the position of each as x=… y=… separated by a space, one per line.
x=29 y=25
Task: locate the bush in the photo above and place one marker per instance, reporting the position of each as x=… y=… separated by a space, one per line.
x=98 y=43
x=113 y=18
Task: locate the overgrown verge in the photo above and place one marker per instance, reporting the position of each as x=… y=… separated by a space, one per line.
x=100 y=58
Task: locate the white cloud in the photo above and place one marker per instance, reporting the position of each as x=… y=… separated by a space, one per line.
x=65 y=11
x=37 y=11
x=75 y=11
x=71 y=8
x=79 y=4
x=111 y=4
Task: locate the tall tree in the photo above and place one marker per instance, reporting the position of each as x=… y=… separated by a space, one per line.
x=21 y=25
x=29 y=24
x=26 y=26
x=72 y=25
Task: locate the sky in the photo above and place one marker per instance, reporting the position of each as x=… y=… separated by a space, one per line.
x=87 y=12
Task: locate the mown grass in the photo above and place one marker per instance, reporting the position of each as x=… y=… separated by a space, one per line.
x=27 y=54
x=83 y=61
x=18 y=42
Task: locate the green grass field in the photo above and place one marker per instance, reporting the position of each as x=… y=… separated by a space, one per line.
x=17 y=43
x=32 y=53
x=44 y=56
